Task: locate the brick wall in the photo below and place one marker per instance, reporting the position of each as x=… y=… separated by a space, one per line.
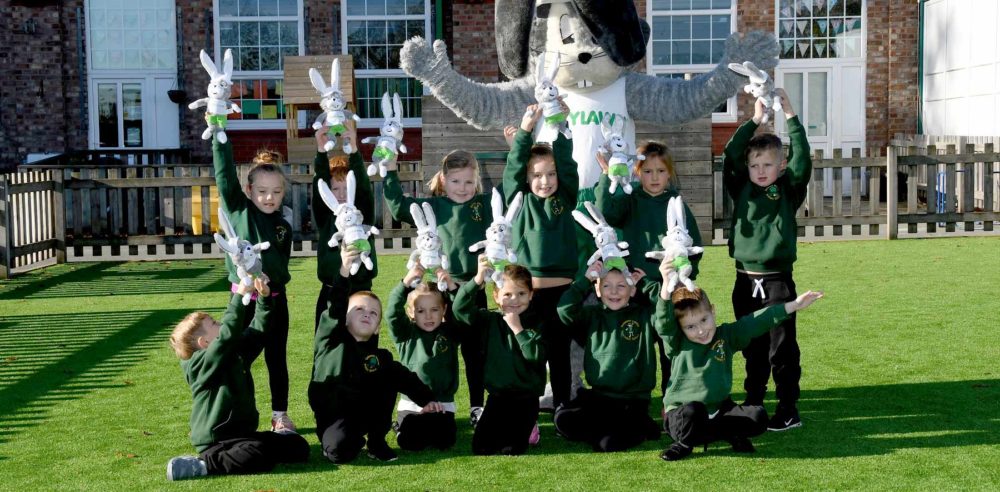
x=893 y=98
x=474 y=49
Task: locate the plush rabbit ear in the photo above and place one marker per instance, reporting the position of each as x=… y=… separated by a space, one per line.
x=596 y=214
x=606 y=129
x=386 y=106
x=740 y=69
x=227 y=65
x=327 y=195
x=514 y=208
x=429 y=216
x=585 y=221
x=335 y=74
x=352 y=185
x=540 y=67
x=418 y=217
x=206 y=61
x=221 y=241
x=554 y=70
x=227 y=227
x=496 y=203
x=397 y=108
x=317 y=80
x=671 y=217
x=678 y=212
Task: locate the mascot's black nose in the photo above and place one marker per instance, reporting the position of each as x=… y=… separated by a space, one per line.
x=585 y=57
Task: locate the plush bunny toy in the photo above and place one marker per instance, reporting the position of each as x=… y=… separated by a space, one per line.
x=333 y=105
x=390 y=135
x=547 y=95
x=498 y=236
x=761 y=86
x=350 y=230
x=432 y=257
x=217 y=104
x=610 y=250
x=677 y=246
x=621 y=164
x=244 y=255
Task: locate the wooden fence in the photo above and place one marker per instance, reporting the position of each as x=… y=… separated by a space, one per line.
x=31 y=210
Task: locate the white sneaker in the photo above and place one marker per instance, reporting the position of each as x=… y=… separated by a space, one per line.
x=475 y=413
x=283 y=424
x=183 y=467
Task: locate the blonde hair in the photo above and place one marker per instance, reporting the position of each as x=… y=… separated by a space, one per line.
x=267 y=161
x=685 y=301
x=456 y=159
x=184 y=338
x=424 y=289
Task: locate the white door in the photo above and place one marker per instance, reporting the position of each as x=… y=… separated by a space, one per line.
x=133 y=114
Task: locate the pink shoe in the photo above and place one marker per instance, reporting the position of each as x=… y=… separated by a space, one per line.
x=535 y=436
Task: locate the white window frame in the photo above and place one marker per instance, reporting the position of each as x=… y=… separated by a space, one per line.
x=809 y=62
x=729 y=116
x=275 y=124
x=409 y=122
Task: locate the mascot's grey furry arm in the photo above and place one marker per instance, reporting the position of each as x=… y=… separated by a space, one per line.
x=598 y=41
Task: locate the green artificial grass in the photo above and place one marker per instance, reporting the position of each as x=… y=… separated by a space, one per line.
x=900 y=385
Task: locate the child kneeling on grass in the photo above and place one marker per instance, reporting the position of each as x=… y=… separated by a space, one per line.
x=699 y=407
x=354 y=383
x=216 y=360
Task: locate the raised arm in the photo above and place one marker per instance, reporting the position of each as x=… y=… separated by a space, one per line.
x=570 y=308
x=616 y=207
x=400 y=326
x=332 y=322
x=321 y=172
x=566 y=170
x=364 y=199
x=753 y=325
x=515 y=173
x=219 y=352
x=799 y=168
x=666 y=325
x=734 y=163
x=230 y=192
x=399 y=204
x=465 y=309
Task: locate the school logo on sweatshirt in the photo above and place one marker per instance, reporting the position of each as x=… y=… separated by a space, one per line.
x=371 y=363
x=630 y=330
x=476 y=209
x=719 y=347
x=772 y=192
x=281 y=233
x=557 y=205
x=441 y=342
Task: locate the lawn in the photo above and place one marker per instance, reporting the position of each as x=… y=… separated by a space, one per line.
x=900 y=386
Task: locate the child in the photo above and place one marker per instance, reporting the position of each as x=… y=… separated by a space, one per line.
x=515 y=360
x=767 y=190
x=619 y=361
x=255 y=212
x=547 y=235
x=334 y=171
x=699 y=408
x=463 y=213
x=427 y=346
x=216 y=360
x=354 y=383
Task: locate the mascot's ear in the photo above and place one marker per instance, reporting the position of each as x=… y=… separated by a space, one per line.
x=512 y=21
x=617 y=28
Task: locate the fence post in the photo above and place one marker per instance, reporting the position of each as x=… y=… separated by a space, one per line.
x=5 y=229
x=59 y=215
x=891 y=193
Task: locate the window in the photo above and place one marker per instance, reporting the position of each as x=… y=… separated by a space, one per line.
x=260 y=33
x=132 y=35
x=689 y=37
x=820 y=28
x=374 y=32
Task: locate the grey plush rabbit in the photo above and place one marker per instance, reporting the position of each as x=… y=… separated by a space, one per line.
x=218 y=107
x=761 y=86
x=677 y=247
x=610 y=250
x=621 y=163
x=245 y=256
x=547 y=94
x=334 y=115
x=350 y=229
x=429 y=249
x=390 y=136
x=497 y=244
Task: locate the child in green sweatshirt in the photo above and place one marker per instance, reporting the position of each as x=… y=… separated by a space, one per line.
x=515 y=360
x=216 y=358
x=354 y=383
x=767 y=189
x=699 y=408
x=428 y=345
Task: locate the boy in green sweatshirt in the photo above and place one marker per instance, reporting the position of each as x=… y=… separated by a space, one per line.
x=354 y=383
x=216 y=358
x=515 y=360
x=767 y=189
x=699 y=408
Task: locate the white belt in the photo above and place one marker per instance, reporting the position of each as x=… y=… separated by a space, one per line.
x=405 y=405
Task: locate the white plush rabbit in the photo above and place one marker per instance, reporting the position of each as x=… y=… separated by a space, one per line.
x=217 y=104
x=610 y=250
x=547 y=96
x=677 y=246
x=334 y=115
x=390 y=136
x=429 y=249
x=621 y=163
x=761 y=86
x=350 y=229
x=245 y=256
x=499 y=236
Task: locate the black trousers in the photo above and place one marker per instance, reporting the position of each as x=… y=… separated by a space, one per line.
x=690 y=425
x=418 y=431
x=473 y=355
x=343 y=436
x=771 y=354
x=556 y=337
x=275 y=342
x=505 y=425
x=256 y=453
x=607 y=424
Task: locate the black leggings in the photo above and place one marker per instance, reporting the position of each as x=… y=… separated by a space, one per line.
x=256 y=453
x=775 y=352
x=690 y=424
x=555 y=335
x=607 y=424
x=274 y=347
x=418 y=431
x=505 y=425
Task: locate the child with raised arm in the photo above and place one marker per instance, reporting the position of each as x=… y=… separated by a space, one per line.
x=354 y=383
x=767 y=190
x=334 y=171
x=427 y=344
x=547 y=176
x=515 y=360
x=255 y=212
x=698 y=403
x=463 y=213
x=215 y=357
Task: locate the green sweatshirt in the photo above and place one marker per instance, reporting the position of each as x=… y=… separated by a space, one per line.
x=459 y=224
x=544 y=230
x=515 y=364
x=433 y=355
x=328 y=259
x=704 y=373
x=763 y=233
x=642 y=219
x=619 y=346
x=250 y=223
x=220 y=379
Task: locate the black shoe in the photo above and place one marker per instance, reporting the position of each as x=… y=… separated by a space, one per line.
x=381 y=451
x=675 y=452
x=784 y=419
x=742 y=445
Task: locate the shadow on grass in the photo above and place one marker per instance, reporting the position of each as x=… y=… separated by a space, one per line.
x=109 y=278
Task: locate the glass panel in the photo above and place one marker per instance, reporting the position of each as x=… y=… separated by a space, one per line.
x=661 y=52
x=722 y=4
x=288 y=7
x=355 y=7
x=269 y=59
x=793 y=87
x=356 y=33
x=360 y=54
x=817 y=110
x=681 y=52
x=249 y=59
x=661 y=27
x=248 y=7
x=836 y=7
x=415 y=7
x=376 y=7
x=718 y=49
x=414 y=28
x=227 y=7
x=681 y=5
x=268 y=8
x=228 y=34
x=701 y=51
x=852 y=7
x=289 y=34
x=395 y=7
x=376 y=32
x=377 y=57
x=681 y=27
x=701 y=4
x=396 y=32
x=107 y=115
x=701 y=27
x=132 y=114
x=288 y=51
x=249 y=34
x=269 y=34
x=720 y=26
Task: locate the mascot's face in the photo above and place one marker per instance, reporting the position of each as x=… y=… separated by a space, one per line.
x=585 y=66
